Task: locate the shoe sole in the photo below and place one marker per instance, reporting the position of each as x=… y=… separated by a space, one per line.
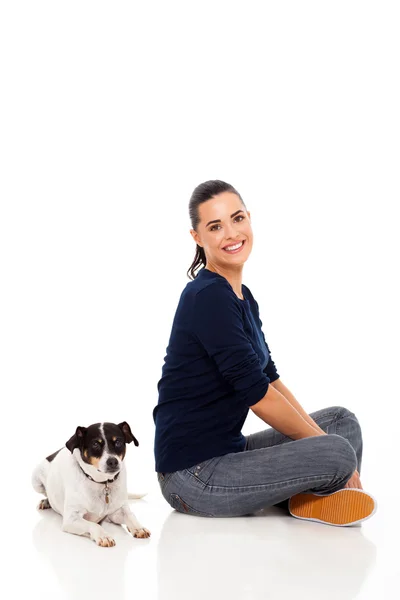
x=342 y=508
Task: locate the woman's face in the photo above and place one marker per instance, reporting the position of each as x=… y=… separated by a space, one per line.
x=232 y=226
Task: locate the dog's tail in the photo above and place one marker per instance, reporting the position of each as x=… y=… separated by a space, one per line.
x=135 y=496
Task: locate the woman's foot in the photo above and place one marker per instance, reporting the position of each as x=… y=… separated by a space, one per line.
x=342 y=508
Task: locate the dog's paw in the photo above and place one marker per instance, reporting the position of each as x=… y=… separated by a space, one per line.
x=140 y=533
x=105 y=541
x=43 y=504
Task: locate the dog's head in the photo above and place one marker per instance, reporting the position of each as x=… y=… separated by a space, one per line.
x=102 y=445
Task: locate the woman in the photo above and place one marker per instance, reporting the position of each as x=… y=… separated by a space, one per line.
x=218 y=366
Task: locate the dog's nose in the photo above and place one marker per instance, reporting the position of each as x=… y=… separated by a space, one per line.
x=112 y=463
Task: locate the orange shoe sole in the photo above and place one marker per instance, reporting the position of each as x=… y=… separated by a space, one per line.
x=342 y=508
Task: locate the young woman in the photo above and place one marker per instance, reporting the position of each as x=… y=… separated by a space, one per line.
x=218 y=366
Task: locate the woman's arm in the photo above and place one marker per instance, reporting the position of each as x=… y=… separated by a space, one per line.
x=278 y=385
x=275 y=410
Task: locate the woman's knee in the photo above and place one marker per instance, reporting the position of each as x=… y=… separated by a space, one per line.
x=335 y=454
x=342 y=454
x=343 y=413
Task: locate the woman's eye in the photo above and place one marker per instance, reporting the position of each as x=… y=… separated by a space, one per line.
x=241 y=217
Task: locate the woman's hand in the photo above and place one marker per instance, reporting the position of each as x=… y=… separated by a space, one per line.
x=354 y=481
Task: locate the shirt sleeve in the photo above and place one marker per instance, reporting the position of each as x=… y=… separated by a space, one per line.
x=270 y=369
x=217 y=323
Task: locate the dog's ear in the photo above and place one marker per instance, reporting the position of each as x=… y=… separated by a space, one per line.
x=76 y=440
x=128 y=435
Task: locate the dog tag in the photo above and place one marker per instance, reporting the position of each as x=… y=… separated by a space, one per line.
x=107 y=493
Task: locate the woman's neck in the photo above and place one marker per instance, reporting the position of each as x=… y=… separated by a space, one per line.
x=234 y=277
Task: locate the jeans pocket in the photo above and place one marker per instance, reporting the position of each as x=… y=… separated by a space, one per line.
x=203 y=470
x=181 y=506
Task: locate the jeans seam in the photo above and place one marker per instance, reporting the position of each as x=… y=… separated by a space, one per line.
x=278 y=484
x=334 y=421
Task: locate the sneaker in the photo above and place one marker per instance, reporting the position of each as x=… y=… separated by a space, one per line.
x=347 y=506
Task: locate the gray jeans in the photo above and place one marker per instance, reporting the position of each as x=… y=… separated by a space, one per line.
x=270 y=470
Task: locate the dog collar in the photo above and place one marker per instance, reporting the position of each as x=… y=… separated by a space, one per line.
x=106 y=489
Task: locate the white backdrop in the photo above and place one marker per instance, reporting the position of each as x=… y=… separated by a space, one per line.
x=111 y=114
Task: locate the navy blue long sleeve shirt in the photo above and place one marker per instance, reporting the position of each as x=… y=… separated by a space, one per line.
x=217 y=365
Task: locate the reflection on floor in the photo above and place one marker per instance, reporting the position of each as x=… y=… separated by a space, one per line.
x=267 y=555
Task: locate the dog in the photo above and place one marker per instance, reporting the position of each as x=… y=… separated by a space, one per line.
x=85 y=482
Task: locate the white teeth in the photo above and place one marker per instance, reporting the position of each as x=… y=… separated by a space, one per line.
x=233 y=247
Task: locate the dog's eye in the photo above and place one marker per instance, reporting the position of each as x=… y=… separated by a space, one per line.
x=96 y=446
x=118 y=444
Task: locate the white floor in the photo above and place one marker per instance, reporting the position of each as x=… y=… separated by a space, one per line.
x=268 y=555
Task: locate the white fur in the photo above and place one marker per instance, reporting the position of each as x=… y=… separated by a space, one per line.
x=106 y=453
x=82 y=502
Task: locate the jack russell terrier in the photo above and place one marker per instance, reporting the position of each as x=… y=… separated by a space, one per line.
x=85 y=482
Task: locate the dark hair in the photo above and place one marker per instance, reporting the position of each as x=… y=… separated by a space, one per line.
x=203 y=192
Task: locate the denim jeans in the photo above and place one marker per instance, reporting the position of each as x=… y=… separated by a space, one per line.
x=270 y=469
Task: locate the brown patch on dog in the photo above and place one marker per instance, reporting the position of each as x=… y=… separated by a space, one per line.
x=94 y=461
x=85 y=453
x=114 y=438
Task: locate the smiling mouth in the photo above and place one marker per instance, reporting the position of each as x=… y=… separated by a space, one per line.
x=236 y=250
